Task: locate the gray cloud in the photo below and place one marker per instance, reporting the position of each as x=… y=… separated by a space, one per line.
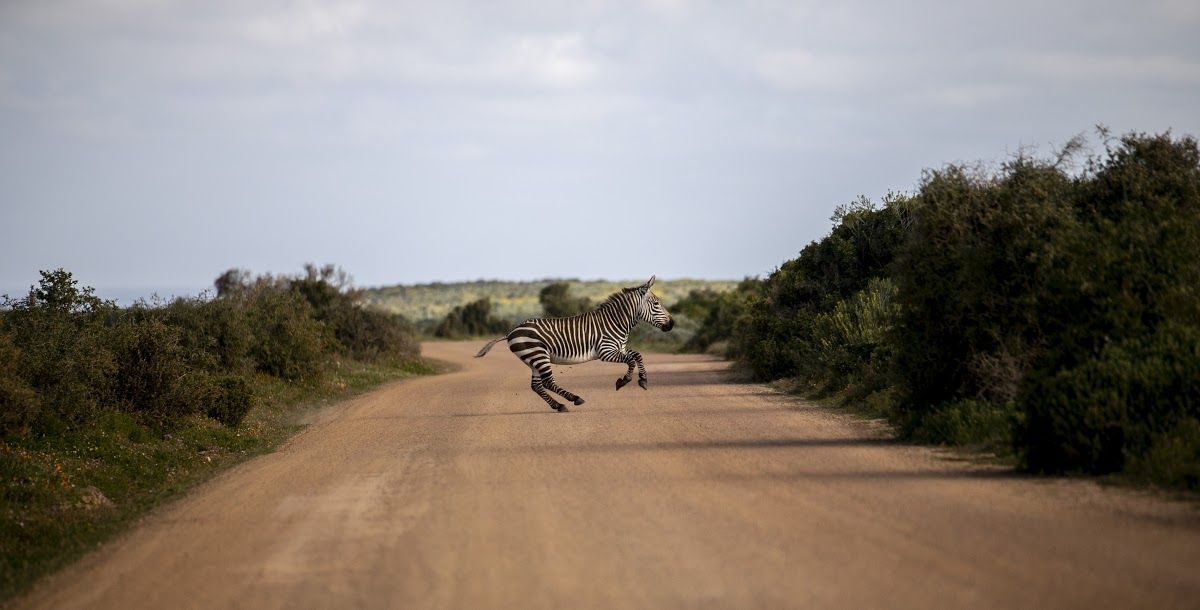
x=156 y=143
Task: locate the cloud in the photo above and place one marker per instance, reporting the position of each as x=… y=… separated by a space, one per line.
x=1110 y=70
x=772 y=109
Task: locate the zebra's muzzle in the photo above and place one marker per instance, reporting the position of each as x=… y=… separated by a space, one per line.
x=669 y=325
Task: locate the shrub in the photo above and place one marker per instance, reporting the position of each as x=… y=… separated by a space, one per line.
x=152 y=371
x=288 y=341
x=1122 y=317
x=557 y=302
x=361 y=333
x=372 y=335
x=1095 y=416
x=67 y=357
x=775 y=336
x=473 y=319
x=18 y=402
x=60 y=335
x=1173 y=459
x=718 y=313
x=231 y=401
x=978 y=423
x=848 y=337
x=215 y=333
x=969 y=277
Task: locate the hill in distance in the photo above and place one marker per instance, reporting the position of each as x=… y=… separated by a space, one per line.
x=425 y=303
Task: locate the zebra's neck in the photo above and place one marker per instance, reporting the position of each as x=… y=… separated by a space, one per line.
x=620 y=310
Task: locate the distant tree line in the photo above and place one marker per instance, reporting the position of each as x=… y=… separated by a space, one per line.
x=475 y=319
x=1043 y=308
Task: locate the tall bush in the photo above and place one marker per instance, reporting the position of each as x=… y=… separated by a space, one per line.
x=969 y=276
x=718 y=314
x=557 y=302
x=1122 y=315
x=215 y=332
x=60 y=334
x=288 y=341
x=473 y=319
x=359 y=332
x=19 y=404
x=775 y=337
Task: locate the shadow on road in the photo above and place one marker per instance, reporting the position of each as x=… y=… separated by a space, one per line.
x=685 y=378
x=719 y=444
x=884 y=475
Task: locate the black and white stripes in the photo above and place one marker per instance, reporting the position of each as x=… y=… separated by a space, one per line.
x=600 y=333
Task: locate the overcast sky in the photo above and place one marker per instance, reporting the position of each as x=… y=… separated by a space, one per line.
x=154 y=144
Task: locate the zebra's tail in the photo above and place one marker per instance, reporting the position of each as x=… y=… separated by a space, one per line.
x=487 y=347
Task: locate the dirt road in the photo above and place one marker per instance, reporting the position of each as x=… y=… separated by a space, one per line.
x=465 y=491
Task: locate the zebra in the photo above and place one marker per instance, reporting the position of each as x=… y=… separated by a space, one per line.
x=600 y=333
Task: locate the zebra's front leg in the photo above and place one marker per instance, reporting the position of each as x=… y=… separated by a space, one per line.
x=641 y=368
x=614 y=355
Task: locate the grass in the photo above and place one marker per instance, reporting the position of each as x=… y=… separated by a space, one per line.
x=64 y=495
x=427 y=304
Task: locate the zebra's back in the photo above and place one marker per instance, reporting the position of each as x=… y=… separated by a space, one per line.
x=572 y=340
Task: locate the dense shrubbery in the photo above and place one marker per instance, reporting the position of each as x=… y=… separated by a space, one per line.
x=717 y=314
x=471 y=320
x=776 y=334
x=67 y=357
x=135 y=404
x=557 y=302
x=1053 y=312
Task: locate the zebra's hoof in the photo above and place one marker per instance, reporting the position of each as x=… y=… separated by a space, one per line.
x=621 y=383
x=642 y=382
x=578 y=400
x=561 y=408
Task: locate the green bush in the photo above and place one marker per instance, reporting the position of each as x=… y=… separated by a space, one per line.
x=718 y=314
x=373 y=335
x=19 y=403
x=471 y=320
x=1058 y=313
x=288 y=341
x=231 y=401
x=848 y=337
x=975 y=423
x=361 y=333
x=102 y=408
x=557 y=302
x=774 y=337
x=60 y=335
x=1173 y=459
x=1122 y=316
x=152 y=373
x=67 y=357
x=215 y=333
x=969 y=277
x=1095 y=416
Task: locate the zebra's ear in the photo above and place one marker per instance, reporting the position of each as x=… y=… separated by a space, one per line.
x=648 y=284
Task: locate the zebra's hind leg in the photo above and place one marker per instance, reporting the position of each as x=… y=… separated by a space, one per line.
x=549 y=384
x=538 y=389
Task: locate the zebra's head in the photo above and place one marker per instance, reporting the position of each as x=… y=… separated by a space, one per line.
x=650 y=308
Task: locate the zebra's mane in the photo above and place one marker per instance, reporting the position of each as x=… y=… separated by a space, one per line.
x=616 y=297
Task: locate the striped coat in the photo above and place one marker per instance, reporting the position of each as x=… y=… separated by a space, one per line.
x=602 y=333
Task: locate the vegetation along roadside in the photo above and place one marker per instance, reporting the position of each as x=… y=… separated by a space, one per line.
x=1047 y=310
x=108 y=411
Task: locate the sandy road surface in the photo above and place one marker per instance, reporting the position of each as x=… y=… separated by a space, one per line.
x=464 y=491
